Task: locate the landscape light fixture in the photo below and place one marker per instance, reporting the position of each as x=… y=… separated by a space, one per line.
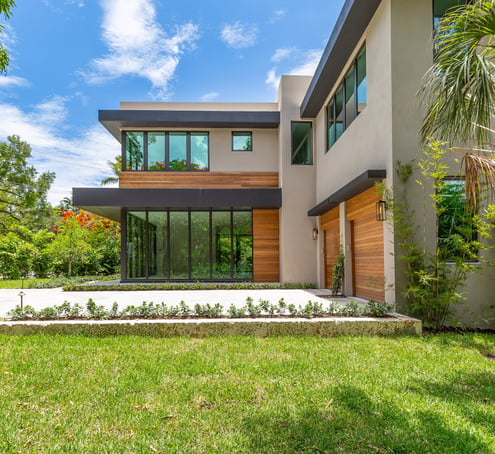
x=381 y=210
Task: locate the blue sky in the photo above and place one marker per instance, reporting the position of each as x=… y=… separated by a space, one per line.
x=70 y=58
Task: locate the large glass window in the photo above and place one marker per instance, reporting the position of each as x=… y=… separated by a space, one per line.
x=302 y=143
x=136 y=244
x=242 y=141
x=189 y=245
x=178 y=151
x=456 y=232
x=156 y=151
x=175 y=151
x=199 y=151
x=134 y=147
x=349 y=100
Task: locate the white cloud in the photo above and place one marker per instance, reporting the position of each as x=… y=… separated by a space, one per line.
x=272 y=79
x=210 y=96
x=13 y=81
x=281 y=54
x=305 y=65
x=77 y=161
x=138 y=46
x=238 y=35
x=277 y=15
x=9 y=37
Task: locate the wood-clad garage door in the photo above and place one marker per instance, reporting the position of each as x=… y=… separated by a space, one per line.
x=367 y=246
x=329 y=224
x=266 y=256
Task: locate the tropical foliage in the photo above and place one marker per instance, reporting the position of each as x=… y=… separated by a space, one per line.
x=5 y=9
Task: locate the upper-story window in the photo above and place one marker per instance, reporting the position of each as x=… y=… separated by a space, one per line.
x=441 y=7
x=242 y=141
x=174 y=151
x=302 y=143
x=349 y=99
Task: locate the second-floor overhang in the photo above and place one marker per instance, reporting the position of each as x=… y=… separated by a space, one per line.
x=108 y=202
x=351 y=24
x=116 y=120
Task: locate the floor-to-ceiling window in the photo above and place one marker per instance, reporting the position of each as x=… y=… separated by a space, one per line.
x=189 y=245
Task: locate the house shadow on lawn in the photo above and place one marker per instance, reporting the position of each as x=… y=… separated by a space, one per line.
x=352 y=421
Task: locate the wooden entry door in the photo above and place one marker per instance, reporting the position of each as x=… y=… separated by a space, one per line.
x=368 y=268
x=330 y=226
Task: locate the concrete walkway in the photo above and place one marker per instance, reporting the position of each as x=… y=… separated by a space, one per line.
x=40 y=298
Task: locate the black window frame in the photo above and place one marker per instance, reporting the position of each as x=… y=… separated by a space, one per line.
x=146 y=211
x=292 y=142
x=342 y=84
x=243 y=133
x=166 y=150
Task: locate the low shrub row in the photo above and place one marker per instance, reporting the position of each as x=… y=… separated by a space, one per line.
x=187 y=286
x=92 y=311
x=54 y=282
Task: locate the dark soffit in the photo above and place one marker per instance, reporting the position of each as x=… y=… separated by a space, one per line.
x=114 y=120
x=351 y=24
x=364 y=181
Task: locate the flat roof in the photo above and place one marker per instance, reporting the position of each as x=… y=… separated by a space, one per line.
x=351 y=24
x=114 y=120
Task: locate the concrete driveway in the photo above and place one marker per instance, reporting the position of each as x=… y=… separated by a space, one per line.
x=40 y=298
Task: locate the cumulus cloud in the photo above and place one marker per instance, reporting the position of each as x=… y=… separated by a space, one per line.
x=138 y=45
x=282 y=53
x=13 y=81
x=79 y=160
x=305 y=65
x=238 y=35
x=210 y=96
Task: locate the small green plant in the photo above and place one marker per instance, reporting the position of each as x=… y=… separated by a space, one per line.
x=352 y=309
x=234 y=312
x=379 y=309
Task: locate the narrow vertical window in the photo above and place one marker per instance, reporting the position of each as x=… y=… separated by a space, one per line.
x=361 y=81
x=350 y=108
x=199 y=151
x=156 y=151
x=134 y=150
x=339 y=113
x=331 y=124
x=178 y=151
x=302 y=152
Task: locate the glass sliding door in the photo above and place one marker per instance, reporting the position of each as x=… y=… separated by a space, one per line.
x=179 y=245
x=222 y=245
x=156 y=151
x=134 y=150
x=200 y=245
x=136 y=244
x=158 y=245
x=189 y=245
x=243 y=245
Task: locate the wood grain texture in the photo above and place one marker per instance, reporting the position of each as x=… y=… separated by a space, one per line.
x=330 y=225
x=266 y=246
x=367 y=246
x=161 y=180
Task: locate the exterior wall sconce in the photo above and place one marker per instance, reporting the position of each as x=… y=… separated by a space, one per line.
x=381 y=210
x=315 y=234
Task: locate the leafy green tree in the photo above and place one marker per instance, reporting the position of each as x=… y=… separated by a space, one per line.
x=459 y=90
x=23 y=191
x=5 y=9
x=116 y=167
x=16 y=256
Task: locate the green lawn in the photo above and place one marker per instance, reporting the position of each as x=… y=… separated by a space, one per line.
x=130 y=394
x=53 y=281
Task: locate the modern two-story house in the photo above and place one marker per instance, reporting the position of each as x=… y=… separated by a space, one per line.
x=267 y=192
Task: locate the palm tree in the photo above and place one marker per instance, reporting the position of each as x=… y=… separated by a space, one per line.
x=459 y=90
x=116 y=168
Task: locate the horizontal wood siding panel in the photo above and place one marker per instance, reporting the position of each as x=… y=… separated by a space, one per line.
x=330 y=219
x=367 y=246
x=198 y=180
x=266 y=255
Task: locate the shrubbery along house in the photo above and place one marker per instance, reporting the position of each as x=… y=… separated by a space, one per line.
x=267 y=192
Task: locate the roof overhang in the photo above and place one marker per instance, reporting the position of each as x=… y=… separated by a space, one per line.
x=108 y=201
x=115 y=120
x=351 y=24
x=364 y=181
